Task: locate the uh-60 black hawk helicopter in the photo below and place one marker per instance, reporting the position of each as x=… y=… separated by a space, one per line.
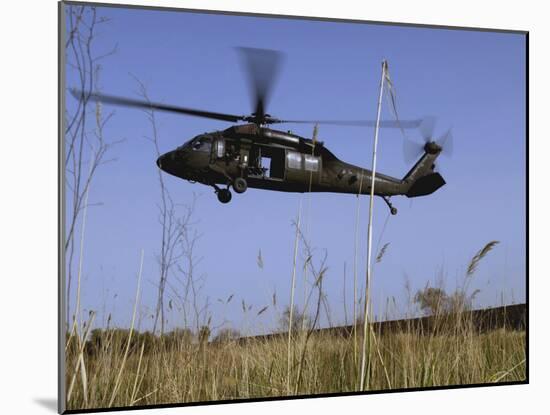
x=256 y=156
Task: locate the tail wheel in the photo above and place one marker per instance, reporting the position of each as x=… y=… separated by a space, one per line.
x=240 y=185
x=224 y=195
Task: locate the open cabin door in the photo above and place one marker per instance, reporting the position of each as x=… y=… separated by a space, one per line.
x=267 y=162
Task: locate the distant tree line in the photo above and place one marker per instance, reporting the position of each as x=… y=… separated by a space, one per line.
x=101 y=341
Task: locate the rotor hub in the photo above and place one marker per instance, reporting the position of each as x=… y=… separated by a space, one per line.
x=432 y=147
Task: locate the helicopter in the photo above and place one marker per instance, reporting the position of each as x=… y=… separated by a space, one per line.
x=253 y=155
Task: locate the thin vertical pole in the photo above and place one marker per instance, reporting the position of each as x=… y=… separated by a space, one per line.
x=355 y=243
x=308 y=218
x=369 y=237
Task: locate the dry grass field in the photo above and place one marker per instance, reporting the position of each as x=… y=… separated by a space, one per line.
x=140 y=369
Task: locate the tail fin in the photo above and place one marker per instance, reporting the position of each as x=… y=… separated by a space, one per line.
x=421 y=179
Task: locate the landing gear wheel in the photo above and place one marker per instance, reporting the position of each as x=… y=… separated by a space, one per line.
x=393 y=210
x=240 y=185
x=224 y=195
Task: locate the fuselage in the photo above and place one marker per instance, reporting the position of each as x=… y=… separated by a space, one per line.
x=271 y=160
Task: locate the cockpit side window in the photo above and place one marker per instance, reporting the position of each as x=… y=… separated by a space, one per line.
x=203 y=144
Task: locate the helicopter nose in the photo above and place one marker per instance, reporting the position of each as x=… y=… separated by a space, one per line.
x=166 y=160
x=160 y=161
x=171 y=162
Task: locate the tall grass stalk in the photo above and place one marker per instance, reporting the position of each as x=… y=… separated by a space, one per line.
x=80 y=363
x=368 y=275
x=381 y=358
x=292 y=287
x=304 y=306
x=77 y=319
x=355 y=244
x=136 y=302
x=134 y=389
x=479 y=256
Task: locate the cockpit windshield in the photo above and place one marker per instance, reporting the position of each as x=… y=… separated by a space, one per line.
x=200 y=143
x=203 y=143
x=185 y=145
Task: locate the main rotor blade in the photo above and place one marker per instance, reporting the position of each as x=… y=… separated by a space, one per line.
x=354 y=123
x=262 y=67
x=136 y=103
x=427 y=127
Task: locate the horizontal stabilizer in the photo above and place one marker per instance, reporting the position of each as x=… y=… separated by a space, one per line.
x=426 y=185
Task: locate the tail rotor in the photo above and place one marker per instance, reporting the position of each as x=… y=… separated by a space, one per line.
x=412 y=150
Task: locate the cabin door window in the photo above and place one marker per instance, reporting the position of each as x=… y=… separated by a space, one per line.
x=302 y=168
x=311 y=163
x=294 y=160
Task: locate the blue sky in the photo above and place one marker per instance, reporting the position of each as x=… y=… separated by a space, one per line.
x=471 y=81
